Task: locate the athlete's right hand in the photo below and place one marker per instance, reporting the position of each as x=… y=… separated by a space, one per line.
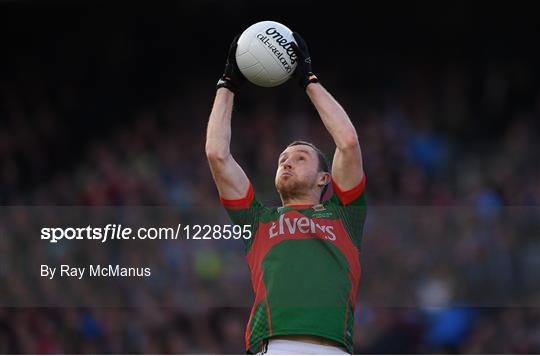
x=232 y=78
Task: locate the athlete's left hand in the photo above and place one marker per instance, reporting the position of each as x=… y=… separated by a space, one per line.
x=303 y=72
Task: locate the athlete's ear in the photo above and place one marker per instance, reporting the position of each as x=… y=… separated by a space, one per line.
x=324 y=178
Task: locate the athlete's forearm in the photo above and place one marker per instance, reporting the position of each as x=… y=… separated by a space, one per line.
x=231 y=181
x=218 y=134
x=333 y=116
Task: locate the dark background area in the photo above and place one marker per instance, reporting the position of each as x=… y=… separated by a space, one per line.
x=106 y=103
x=102 y=62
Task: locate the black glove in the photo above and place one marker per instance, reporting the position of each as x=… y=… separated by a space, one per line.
x=303 y=71
x=232 y=78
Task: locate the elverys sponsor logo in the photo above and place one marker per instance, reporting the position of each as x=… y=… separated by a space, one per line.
x=303 y=225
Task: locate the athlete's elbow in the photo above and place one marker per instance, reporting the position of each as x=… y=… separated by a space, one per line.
x=349 y=142
x=214 y=154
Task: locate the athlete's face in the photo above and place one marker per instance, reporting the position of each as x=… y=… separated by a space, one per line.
x=298 y=169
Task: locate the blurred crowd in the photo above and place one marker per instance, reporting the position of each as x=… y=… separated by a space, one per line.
x=459 y=231
x=450 y=250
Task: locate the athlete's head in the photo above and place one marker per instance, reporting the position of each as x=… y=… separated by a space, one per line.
x=302 y=170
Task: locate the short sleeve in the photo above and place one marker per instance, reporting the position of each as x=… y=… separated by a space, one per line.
x=245 y=211
x=354 y=196
x=351 y=207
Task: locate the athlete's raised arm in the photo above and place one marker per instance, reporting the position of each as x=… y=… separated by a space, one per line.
x=347 y=170
x=231 y=180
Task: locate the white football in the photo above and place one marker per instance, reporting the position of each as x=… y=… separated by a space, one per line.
x=265 y=55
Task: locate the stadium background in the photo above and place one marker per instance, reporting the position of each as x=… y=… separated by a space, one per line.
x=106 y=104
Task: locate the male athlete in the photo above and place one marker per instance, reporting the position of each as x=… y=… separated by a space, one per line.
x=304 y=255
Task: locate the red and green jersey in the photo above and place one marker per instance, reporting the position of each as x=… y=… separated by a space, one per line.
x=305 y=265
